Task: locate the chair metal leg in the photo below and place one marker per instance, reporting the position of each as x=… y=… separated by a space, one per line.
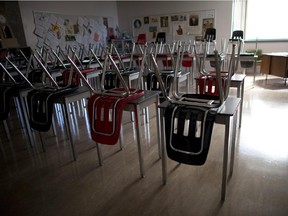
x=6 y=128
x=42 y=142
x=65 y=111
x=99 y=153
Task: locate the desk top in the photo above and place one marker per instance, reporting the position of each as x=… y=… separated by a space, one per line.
x=148 y=94
x=284 y=54
x=238 y=77
x=229 y=108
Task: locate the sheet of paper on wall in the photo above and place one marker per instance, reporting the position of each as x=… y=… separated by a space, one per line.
x=52 y=19
x=79 y=38
x=39 y=31
x=40 y=42
x=41 y=18
x=51 y=40
x=80 y=21
x=111 y=22
x=60 y=21
x=210 y=14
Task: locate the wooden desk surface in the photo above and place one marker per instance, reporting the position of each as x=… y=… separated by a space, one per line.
x=284 y=54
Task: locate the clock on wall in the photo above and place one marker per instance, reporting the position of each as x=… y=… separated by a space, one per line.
x=2 y=19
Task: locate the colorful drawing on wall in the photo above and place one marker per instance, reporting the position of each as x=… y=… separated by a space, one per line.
x=194 y=20
x=179 y=31
x=208 y=23
x=182 y=26
x=154 y=19
x=137 y=23
x=55 y=31
x=146 y=20
x=153 y=31
x=164 y=22
x=194 y=25
x=182 y=18
x=174 y=18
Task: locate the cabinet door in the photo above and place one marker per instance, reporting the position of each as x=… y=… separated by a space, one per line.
x=279 y=66
x=265 y=64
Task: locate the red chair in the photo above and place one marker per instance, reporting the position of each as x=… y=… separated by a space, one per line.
x=141 y=39
x=105 y=108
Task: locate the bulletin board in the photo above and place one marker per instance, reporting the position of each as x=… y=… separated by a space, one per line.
x=58 y=30
x=178 y=26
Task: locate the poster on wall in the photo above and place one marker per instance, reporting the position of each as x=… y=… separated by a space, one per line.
x=194 y=25
x=178 y=26
x=138 y=26
x=207 y=23
x=164 y=23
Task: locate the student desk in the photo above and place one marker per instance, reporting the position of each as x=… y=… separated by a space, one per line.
x=226 y=116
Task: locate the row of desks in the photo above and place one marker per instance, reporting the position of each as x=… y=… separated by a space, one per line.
x=228 y=117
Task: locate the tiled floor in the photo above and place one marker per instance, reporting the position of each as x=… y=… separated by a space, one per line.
x=49 y=183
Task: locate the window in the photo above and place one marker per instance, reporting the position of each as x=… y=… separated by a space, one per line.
x=264 y=20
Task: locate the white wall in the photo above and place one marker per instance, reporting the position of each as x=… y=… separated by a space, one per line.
x=133 y=9
x=124 y=11
x=223 y=17
x=82 y=8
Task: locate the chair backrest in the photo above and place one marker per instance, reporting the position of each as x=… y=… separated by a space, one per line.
x=141 y=39
x=210 y=34
x=161 y=37
x=237 y=34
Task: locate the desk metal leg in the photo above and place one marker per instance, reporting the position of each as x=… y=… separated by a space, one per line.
x=163 y=149
x=225 y=159
x=67 y=123
x=138 y=131
x=6 y=128
x=255 y=64
x=241 y=95
x=233 y=142
x=158 y=126
x=24 y=110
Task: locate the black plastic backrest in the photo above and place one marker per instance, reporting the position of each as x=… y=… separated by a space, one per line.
x=161 y=37
x=237 y=34
x=210 y=34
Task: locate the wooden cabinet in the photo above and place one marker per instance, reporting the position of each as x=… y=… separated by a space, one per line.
x=275 y=64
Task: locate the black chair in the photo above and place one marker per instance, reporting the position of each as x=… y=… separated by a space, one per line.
x=186 y=141
x=161 y=37
x=237 y=34
x=210 y=34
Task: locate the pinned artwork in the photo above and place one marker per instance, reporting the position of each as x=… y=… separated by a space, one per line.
x=54 y=30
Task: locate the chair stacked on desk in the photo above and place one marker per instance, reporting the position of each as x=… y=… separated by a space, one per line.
x=105 y=108
x=183 y=142
x=38 y=99
x=206 y=83
x=11 y=84
x=189 y=119
x=169 y=56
